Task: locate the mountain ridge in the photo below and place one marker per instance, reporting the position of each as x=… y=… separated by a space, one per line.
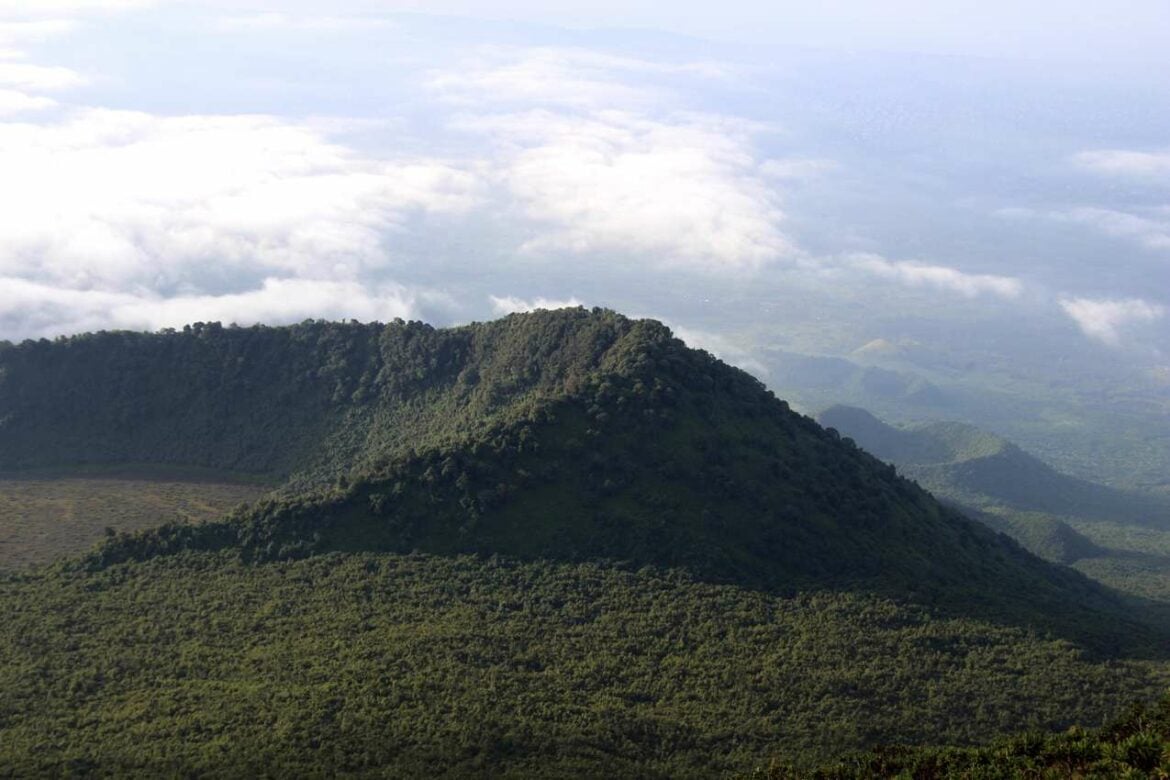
x=572 y=434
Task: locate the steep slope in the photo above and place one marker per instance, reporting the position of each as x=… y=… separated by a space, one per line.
x=570 y=435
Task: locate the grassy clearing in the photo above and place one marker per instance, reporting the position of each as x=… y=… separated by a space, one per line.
x=46 y=515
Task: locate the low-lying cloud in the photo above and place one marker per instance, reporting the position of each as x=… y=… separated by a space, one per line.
x=1122 y=162
x=34 y=309
x=115 y=197
x=916 y=274
x=607 y=164
x=721 y=347
x=14 y=102
x=565 y=77
x=34 y=78
x=1107 y=320
x=510 y=304
x=680 y=193
x=1147 y=227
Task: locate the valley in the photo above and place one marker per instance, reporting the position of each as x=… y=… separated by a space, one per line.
x=1120 y=538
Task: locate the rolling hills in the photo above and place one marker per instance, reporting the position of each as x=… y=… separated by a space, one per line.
x=1120 y=538
x=976 y=467
x=580 y=458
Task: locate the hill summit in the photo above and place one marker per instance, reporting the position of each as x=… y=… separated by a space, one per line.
x=574 y=434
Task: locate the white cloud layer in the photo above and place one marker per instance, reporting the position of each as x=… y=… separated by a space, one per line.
x=119 y=198
x=1150 y=228
x=1152 y=232
x=20 y=33
x=14 y=102
x=21 y=75
x=34 y=309
x=680 y=193
x=915 y=274
x=721 y=347
x=40 y=9
x=1121 y=162
x=589 y=148
x=281 y=22
x=123 y=219
x=564 y=76
x=512 y=305
x=1107 y=320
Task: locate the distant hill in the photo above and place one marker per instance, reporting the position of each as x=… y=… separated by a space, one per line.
x=978 y=468
x=846 y=379
x=1119 y=538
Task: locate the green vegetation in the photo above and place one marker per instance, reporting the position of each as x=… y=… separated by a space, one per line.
x=1136 y=746
x=620 y=443
x=419 y=665
x=1119 y=538
x=1118 y=434
x=561 y=543
x=314 y=400
x=982 y=470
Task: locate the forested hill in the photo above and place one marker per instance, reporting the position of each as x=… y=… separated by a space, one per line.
x=562 y=435
x=313 y=399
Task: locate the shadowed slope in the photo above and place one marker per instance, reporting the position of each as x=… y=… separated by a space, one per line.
x=314 y=400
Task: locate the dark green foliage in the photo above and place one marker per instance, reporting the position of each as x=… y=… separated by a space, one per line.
x=303 y=636
x=1136 y=746
x=418 y=666
x=316 y=399
x=623 y=444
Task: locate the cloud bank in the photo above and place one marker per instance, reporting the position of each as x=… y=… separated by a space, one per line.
x=1107 y=320
x=916 y=274
x=512 y=305
x=605 y=164
x=1121 y=162
x=36 y=310
x=116 y=202
x=670 y=193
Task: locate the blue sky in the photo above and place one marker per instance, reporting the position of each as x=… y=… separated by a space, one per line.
x=982 y=177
